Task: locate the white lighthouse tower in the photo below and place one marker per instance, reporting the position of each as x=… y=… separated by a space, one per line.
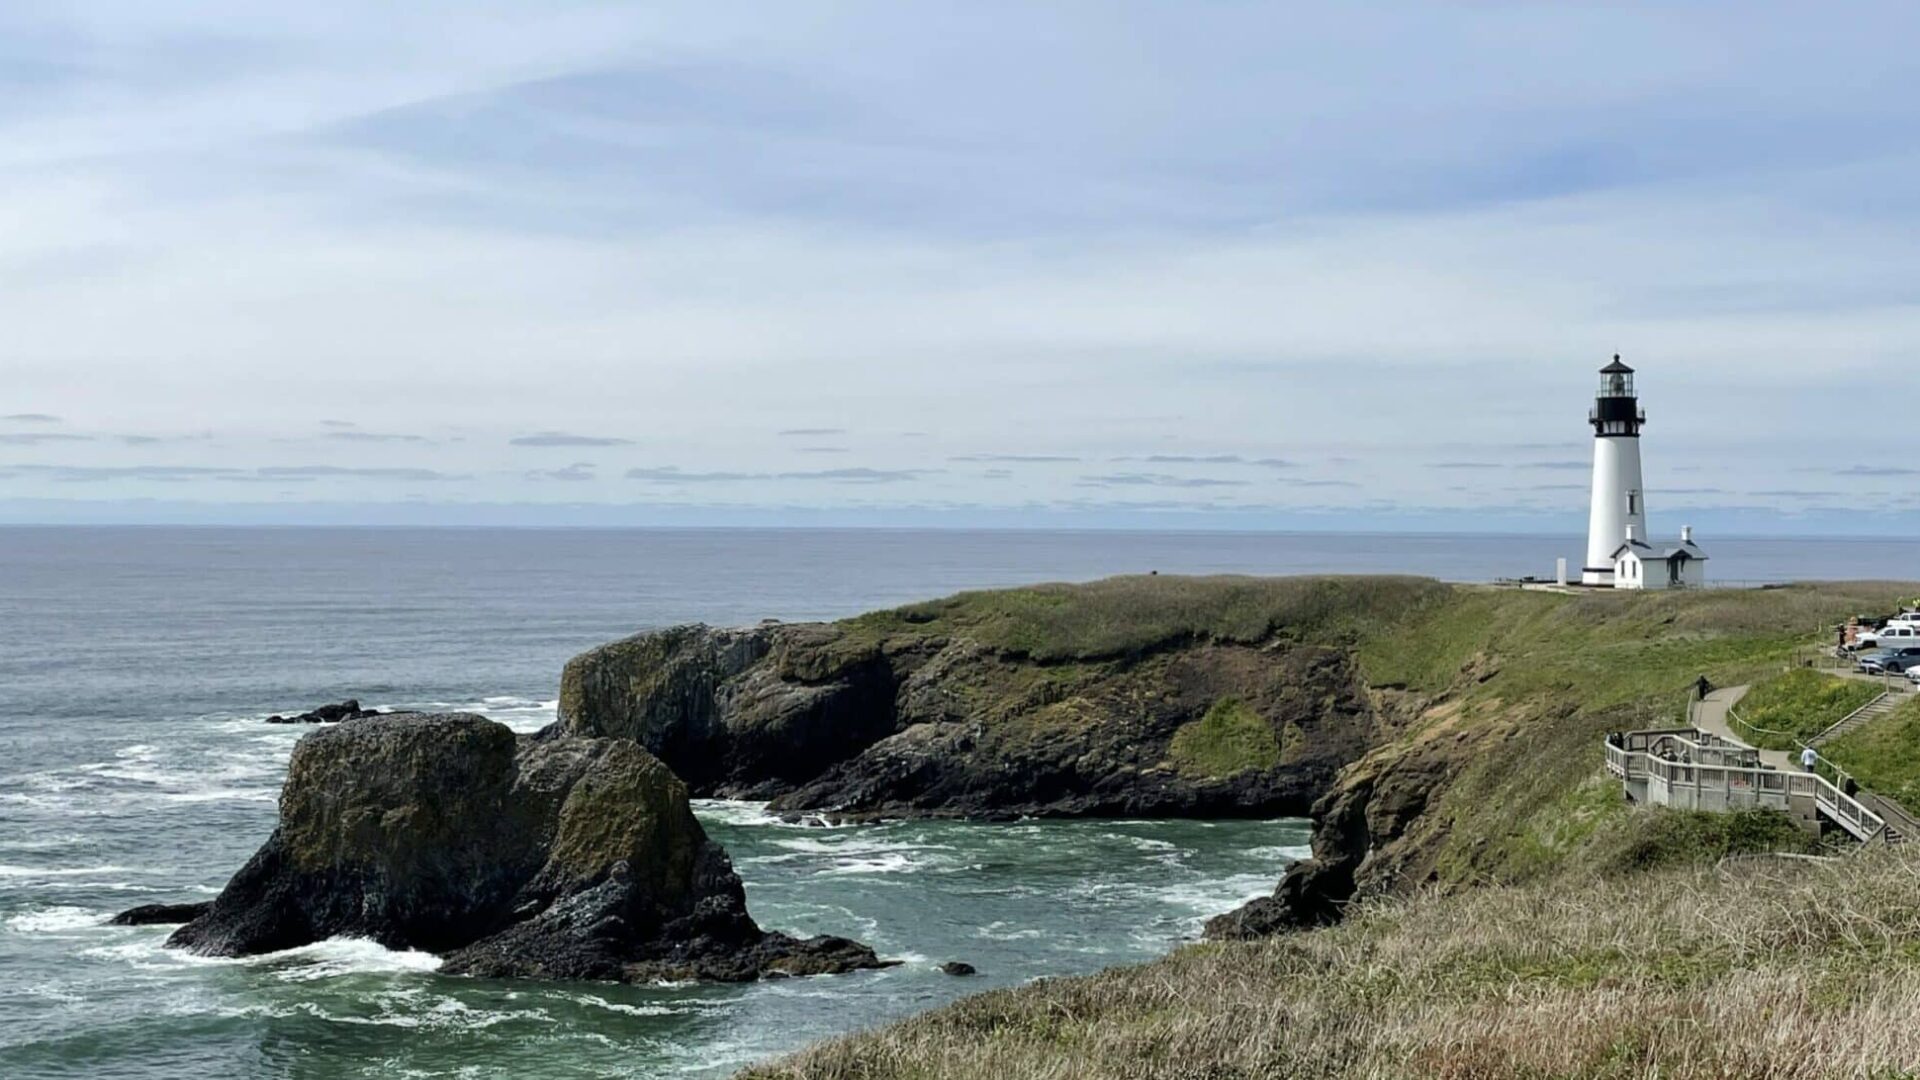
x=1619 y=509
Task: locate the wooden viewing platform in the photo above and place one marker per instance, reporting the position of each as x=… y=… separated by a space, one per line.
x=1698 y=770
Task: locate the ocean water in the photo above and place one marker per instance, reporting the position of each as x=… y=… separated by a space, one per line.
x=136 y=666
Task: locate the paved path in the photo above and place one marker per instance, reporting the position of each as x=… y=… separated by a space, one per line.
x=1711 y=716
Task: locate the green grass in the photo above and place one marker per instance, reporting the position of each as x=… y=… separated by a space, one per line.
x=1884 y=755
x=1800 y=704
x=1131 y=616
x=1507 y=692
x=1230 y=739
x=1747 y=968
x=1646 y=841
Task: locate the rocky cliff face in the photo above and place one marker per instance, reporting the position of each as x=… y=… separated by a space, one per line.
x=828 y=718
x=561 y=858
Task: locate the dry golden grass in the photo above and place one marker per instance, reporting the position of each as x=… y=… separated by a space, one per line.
x=1756 y=967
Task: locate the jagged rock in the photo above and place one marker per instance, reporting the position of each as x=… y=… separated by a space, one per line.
x=958 y=968
x=743 y=712
x=329 y=714
x=556 y=857
x=160 y=914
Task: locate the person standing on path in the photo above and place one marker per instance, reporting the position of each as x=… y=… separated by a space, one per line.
x=1807 y=757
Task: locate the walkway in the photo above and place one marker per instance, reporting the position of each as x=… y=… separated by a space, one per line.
x=1711 y=716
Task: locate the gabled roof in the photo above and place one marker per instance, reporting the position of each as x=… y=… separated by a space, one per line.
x=1640 y=548
x=1646 y=552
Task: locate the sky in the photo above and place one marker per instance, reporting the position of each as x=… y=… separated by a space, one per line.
x=1207 y=265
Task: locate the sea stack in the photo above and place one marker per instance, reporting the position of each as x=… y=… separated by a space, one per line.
x=509 y=856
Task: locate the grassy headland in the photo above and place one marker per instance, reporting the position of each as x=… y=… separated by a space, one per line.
x=1514 y=915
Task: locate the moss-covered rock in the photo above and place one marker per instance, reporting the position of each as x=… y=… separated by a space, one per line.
x=1052 y=700
x=546 y=857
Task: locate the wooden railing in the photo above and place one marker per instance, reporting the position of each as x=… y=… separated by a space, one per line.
x=1697 y=762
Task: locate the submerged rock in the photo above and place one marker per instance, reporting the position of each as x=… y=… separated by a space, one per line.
x=957 y=967
x=159 y=914
x=329 y=714
x=559 y=858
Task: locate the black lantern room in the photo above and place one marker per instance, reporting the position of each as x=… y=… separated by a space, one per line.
x=1616 y=411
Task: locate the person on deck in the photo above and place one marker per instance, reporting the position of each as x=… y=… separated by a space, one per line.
x=1808 y=757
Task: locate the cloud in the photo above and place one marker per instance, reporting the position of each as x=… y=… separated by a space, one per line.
x=30 y=418
x=997 y=474
x=288 y=472
x=578 y=471
x=1030 y=459
x=374 y=437
x=1569 y=466
x=1876 y=470
x=1466 y=465
x=800 y=432
x=606 y=217
x=821 y=450
x=561 y=438
x=89 y=473
x=35 y=438
x=671 y=475
x=1190 y=459
x=1211 y=459
x=1158 y=480
x=857 y=475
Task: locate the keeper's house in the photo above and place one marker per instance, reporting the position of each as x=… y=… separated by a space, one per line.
x=1639 y=565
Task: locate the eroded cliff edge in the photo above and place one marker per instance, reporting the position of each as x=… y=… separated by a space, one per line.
x=1143 y=696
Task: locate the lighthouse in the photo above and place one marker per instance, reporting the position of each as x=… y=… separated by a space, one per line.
x=1619 y=508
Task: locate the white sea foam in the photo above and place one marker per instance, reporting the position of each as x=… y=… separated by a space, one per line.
x=735 y=812
x=894 y=862
x=344 y=956
x=1001 y=931
x=45 y=843
x=597 y=1002
x=55 y=919
x=1285 y=852
x=222 y=794
x=37 y=873
x=1215 y=896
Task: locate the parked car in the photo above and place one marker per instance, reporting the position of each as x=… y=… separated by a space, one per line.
x=1894 y=633
x=1896 y=660
x=1913 y=675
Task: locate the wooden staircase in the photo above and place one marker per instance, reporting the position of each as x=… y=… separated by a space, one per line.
x=1865 y=714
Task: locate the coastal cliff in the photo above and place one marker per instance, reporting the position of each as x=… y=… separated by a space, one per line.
x=1143 y=696
x=1483 y=901
x=553 y=858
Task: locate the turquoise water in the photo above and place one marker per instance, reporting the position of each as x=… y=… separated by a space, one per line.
x=136 y=665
